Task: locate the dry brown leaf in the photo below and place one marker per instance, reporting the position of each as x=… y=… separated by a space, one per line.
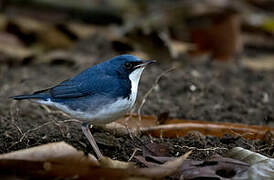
x=63 y=161
x=12 y=47
x=106 y=162
x=52 y=170
x=173 y=128
x=216 y=167
x=247 y=156
x=179 y=47
x=262 y=167
x=82 y=30
x=53 y=152
x=262 y=63
x=47 y=35
x=155 y=149
x=168 y=168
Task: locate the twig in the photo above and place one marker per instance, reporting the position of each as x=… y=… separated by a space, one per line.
x=133 y=154
x=206 y=149
x=156 y=82
x=71 y=120
x=17 y=127
x=264 y=149
x=45 y=124
x=34 y=129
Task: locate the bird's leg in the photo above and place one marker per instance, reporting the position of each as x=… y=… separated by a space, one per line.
x=86 y=131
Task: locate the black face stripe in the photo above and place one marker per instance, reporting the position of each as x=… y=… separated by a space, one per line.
x=136 y=64
x=132 y=65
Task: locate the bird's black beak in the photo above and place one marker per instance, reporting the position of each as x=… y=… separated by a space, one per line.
x=145 y=63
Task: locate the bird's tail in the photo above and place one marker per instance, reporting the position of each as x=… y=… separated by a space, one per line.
x=21 y=97
x=36 y=95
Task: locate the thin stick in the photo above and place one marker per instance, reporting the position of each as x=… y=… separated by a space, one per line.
x=133 y=154
x=206 y=149
x=34 y=129
x=156 y=82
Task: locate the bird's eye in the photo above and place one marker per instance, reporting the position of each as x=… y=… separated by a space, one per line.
x=128 y=65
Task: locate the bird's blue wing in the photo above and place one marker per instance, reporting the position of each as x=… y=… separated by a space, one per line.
x=67 y=89
x=74 y=88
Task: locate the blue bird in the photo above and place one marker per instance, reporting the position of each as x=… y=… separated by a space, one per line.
x=98 y=95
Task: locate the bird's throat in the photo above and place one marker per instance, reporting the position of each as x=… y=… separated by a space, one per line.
x=134 y=79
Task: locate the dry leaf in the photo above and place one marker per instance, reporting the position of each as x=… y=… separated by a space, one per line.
x=216 y=167
x=247 y=156
x=260 y=63
x=82 y=30
x=106 y=162
x=12 y=47
x=47 y=35
x=60 y=160
x=155 y=149
x=168 y=168
x=53 y=152
x=174 y=128
x=262 y=166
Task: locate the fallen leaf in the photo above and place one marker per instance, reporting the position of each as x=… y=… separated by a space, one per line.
x=60 y=160
x=261 y=63
x=106 y=162
x=174 y=128
x=46 y=35
x=168 y=168
x=82 y=30
x=247 y=156
x=262 y=167
x=52 y=170
x=216 y=167
x=53 y=152
x=13 y=48
x=155 y=149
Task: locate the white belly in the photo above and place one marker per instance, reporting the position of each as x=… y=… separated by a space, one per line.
x=106 y=114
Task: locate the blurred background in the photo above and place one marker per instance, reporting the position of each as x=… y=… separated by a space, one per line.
x=223 y=51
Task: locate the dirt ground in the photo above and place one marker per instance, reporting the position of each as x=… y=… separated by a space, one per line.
x=206 y=91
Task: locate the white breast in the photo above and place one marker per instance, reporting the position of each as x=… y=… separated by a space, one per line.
x=135 y=78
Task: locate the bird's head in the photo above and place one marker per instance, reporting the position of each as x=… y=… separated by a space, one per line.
x=127 y=66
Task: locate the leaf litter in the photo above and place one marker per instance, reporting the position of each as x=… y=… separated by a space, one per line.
x=60 y=160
